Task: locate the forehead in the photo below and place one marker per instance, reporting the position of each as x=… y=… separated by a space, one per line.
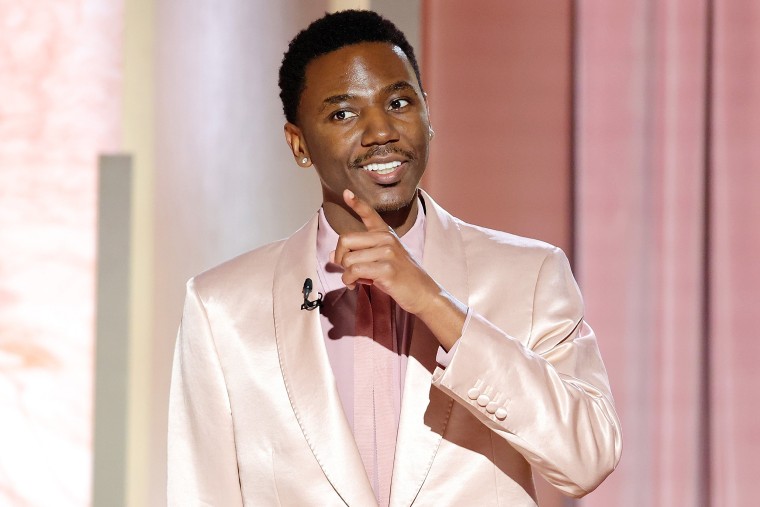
x=357 y=69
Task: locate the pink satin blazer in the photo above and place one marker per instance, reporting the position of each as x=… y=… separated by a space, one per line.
x=255 y=418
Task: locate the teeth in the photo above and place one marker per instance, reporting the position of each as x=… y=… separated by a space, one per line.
x=382 y=168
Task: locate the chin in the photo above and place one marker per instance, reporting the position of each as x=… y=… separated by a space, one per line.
x=389 y=207
x=395 y=203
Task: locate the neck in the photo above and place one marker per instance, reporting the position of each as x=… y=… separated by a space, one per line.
x=343 y=219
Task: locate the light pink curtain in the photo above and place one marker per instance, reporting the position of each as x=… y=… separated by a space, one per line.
x=735 y=255
x=667 y=136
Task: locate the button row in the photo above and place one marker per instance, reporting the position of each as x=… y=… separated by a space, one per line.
x=484 y=401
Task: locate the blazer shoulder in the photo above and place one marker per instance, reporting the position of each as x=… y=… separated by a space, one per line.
x=490 y=241
x=253 y=269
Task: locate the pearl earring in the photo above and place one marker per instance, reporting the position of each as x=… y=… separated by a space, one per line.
x=431 y=132
x=304 y=160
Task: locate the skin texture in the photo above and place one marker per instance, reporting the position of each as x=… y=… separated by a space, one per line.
x=362 y=104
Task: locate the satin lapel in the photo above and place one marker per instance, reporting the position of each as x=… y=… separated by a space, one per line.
x=425 y=409
x=308 y=376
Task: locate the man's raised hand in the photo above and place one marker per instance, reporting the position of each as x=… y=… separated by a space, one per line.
x=378 y=257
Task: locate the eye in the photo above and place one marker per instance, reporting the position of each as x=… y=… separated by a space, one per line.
x=343 y=115
x=398 y=103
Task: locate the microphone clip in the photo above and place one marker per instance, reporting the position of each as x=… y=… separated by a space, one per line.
x=310 y=305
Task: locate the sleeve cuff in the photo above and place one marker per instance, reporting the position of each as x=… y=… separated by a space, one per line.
x=442 y=357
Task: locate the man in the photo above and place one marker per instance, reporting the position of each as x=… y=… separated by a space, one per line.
x=446 y=361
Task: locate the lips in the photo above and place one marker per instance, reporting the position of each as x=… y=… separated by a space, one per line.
x=384 y=173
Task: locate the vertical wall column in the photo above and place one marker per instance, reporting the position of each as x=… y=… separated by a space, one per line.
x=499 y=82
x=138 y=133
x=112 y=331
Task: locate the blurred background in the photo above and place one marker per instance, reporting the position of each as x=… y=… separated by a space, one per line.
x=141 y=143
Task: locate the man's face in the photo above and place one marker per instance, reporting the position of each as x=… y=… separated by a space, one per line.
x=363 y=123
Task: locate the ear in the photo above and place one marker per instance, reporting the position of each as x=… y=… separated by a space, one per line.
x=295 y=139
x=431 y=132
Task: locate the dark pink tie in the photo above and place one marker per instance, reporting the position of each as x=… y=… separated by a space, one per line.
x=375 y=368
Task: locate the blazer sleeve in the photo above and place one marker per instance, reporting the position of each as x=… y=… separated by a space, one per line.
x=550 y=398
x=202 y=461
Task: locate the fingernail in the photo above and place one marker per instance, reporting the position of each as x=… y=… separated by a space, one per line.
x=350 y=194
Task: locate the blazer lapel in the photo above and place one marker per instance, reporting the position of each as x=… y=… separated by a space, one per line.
x=425 y=409
x=308 y=376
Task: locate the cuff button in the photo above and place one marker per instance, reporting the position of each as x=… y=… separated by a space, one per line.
x=501 y=414
x=491 y=407
x=473 y=393
x=483 y=400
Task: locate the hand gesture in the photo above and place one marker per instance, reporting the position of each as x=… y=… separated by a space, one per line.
x=377 y=257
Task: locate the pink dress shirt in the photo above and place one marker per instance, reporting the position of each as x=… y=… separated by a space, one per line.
x=338 y=311
x=338 y=314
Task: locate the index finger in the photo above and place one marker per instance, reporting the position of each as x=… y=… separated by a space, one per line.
x=371 y=219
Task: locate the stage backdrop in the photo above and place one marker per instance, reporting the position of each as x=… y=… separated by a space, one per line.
x=626 y=132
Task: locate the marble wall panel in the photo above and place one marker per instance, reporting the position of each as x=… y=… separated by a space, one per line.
x=60 y=79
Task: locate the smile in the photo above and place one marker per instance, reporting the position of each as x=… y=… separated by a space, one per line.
x=382 y=168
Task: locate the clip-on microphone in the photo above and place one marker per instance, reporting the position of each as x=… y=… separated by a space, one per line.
x=310 y=305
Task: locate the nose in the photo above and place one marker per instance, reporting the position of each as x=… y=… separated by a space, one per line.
x=379 y=128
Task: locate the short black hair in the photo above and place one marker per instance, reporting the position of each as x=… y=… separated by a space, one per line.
x=327 y=34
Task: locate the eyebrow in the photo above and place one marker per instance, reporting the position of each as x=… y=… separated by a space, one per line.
x=398 y=86
x=336 y=99
x=345 y=97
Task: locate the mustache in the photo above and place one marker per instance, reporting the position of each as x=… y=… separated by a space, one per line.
x=382 y=151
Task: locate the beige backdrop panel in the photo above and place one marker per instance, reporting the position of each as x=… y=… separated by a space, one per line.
x=225 y=181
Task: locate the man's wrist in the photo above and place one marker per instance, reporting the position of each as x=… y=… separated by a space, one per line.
x=445 y=316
